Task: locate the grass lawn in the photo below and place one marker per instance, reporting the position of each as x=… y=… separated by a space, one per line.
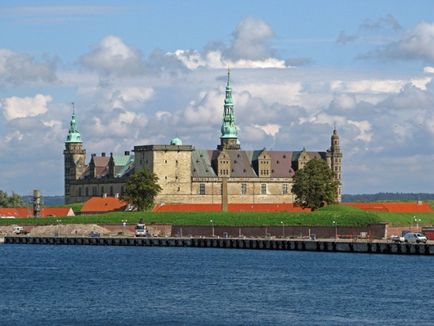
x=343 y=215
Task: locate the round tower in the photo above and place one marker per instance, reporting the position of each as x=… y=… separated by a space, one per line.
x=334 y=159
x=74 y=157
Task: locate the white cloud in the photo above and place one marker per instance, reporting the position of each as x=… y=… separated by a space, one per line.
x=23 y=107
x=413 y=44
x=344 y=101
x=112 y=56
x=15 y=135
x=18 y=68
x=288 y=93
x=428 y=70
x=215 y=60
x=270 y=128
x=249 y=48
x=367 y=86
x=206 y=110
x=250 y=40
x=131 y=96
x=365 y=130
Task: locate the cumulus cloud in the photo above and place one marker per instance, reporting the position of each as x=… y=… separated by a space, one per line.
x=111 y=56
x=414 y=44
x=270 y=129
x=249 y=48
x=23 y=107
x=250 y=40
x=17 y=68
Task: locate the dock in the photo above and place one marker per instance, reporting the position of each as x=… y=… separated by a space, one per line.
x=348 y=246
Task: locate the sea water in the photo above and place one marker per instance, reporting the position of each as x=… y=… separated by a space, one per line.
x=86 y=285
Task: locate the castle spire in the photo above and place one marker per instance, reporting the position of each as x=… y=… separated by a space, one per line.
x=229 y=133
x=73 y=133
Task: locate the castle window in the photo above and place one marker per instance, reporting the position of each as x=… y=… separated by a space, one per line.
x=165 y=161
x=176 y=162
x=79 y=192
x=111 y=190
x=87 y=191
x=94 y=191
x=179 y=188
x=263 y=188
x=243 y=188
x=285 y=189
x=201 y=189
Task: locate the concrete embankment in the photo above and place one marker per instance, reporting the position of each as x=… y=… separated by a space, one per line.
x=379 y=247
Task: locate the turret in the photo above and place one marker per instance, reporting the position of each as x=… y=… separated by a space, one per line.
x=229 y=133
x=334 y=159
x=74 y=157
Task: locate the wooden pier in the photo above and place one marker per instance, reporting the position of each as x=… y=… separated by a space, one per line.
x=379 y=247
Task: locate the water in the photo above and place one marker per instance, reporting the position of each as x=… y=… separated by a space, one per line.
x=64 y=285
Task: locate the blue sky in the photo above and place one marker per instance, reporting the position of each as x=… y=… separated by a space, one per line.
x=146 y=71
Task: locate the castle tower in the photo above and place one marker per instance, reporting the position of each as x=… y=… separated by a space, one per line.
x=334 y=159
x=229 y=134
x=75 y=157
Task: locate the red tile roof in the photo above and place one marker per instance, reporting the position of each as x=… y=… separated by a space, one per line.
x=394 y=207
x=102 y=205
x=57 y=211
x=28 y=212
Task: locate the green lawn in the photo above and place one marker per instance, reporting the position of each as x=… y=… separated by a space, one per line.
x=343 y=215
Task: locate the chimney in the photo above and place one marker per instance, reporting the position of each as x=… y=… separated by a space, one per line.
x=103 y=154
x=127 y=153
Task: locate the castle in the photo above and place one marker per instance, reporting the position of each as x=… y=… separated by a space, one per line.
x=188 y=175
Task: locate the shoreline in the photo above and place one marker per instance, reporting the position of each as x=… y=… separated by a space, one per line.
x=323 y=245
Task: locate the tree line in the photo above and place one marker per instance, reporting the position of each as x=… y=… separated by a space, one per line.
x=13 y=200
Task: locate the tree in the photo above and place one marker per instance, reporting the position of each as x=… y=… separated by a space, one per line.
x=315 y=185
x=14 y=200
x=141 y=189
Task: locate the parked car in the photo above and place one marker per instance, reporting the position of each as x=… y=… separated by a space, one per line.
x=415 y=237
x=19 y=230
x=397 y=238
x=94 y=234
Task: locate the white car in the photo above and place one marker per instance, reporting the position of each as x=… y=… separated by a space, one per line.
x=415 y=237
x=397 y=238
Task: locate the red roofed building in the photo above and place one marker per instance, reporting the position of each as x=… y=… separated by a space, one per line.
x=394 y=207
x=97 y=205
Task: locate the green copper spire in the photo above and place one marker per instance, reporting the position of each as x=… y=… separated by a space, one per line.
x=73 y=133
x=229 y=129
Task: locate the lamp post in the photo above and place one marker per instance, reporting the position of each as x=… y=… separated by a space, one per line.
x=212 y=225
x=283 y=229
x=336 y=229
x=417 y=220
x=124 y=226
